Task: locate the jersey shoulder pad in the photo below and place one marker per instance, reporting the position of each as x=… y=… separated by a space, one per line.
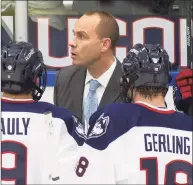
x=71 y=121
x=67 y=117
x=107 y=124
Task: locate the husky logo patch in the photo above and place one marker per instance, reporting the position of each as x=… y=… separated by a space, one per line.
x=100 y=127
x=79 y=128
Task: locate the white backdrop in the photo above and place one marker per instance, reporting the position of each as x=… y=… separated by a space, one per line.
x=48 y=96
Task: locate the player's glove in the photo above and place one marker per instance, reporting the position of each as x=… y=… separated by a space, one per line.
x=183 y=90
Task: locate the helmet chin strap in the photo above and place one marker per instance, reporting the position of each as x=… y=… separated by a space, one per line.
x=130 y=95
x=128 y=88
x=37 y=95
x=37 y=91
x=39 y=86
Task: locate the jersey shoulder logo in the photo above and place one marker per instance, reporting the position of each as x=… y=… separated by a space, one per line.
x=79 y=128
x=100 y=127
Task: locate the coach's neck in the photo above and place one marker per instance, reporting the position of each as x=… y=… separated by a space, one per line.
x=101 y=66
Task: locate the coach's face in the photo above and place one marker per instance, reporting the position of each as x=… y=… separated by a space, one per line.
x=86 y=45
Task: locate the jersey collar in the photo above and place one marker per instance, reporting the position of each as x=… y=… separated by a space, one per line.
x=10 y=100
x=162 y=110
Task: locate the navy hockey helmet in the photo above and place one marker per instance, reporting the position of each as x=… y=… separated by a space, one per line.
x=145 y=65
x=22 y=69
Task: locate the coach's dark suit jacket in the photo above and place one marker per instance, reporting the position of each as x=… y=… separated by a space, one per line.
x=69 y=88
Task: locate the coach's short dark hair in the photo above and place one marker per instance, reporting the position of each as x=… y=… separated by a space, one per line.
x=108 y=26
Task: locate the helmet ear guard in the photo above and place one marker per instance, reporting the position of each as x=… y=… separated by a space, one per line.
x=126 y=84
x=124 y=89
x=39 y=84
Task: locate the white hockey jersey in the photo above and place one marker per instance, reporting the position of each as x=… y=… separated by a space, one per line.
x=38 y=143
x=138 y=144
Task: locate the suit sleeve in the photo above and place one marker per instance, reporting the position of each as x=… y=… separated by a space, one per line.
x=56 y=88
x=62 y=82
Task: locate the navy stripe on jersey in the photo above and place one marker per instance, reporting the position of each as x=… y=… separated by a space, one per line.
x=122 y=117
x=41 y=108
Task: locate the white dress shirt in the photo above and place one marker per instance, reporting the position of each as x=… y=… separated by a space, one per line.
x=103 y=80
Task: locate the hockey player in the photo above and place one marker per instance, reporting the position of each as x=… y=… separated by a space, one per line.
x=183 y=91
x=140 y=141
x=37 y=137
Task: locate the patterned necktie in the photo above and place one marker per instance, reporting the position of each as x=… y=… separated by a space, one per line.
x=90 y=102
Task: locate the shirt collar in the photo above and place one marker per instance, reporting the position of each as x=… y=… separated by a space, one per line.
x=105 y=77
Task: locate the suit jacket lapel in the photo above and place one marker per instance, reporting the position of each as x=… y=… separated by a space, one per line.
x=77 y=90
x=112 y=90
